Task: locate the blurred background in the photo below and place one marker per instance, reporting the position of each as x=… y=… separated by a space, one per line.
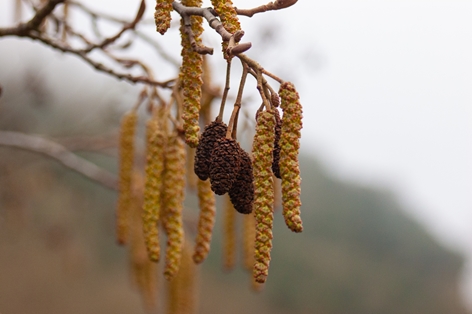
x=386 y=164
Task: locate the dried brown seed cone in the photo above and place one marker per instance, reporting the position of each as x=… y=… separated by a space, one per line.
x=206 y=202
x=155 y=146
x=127 y=133
x=290 y=145
x=229 y=235
x=143 y=271
x=224 y=165
x=162 y=15
x=190 y=77
x=262 y=152
x=182 y=289
x=278 y=132
x=212 y=132
x=172 y=203
x=242 y=191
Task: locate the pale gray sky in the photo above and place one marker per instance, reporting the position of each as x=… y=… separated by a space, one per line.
x=386 y=88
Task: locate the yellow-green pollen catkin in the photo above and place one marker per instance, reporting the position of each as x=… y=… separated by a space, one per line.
x=229 y=18
x=249 y=239
x=162 y=15
x=229 y=234
x=190 y=77
x=126 y=151
x=182 y=288
x=206 y=201
x=172 y=203
x=262 y=149
x=290 y=145
x=155 y=146
x=143 y=271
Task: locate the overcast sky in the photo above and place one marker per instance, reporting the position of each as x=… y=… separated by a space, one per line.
x=386 y=89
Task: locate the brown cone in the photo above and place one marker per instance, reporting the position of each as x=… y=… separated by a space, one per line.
x=212 y=132
x=276 y=152
x=224 y=165
x=242 y=191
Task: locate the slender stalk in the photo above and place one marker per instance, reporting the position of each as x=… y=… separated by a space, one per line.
x=225 y=92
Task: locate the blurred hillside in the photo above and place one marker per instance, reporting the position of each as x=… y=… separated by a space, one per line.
x=359 y=252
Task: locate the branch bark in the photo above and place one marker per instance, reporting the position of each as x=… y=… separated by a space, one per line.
x=59 y=153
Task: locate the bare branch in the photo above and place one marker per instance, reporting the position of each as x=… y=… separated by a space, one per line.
x=214 y=23
x=25 y=28
x=127 y=26
x=277 y=5
x=58 y=152
x=100 y=67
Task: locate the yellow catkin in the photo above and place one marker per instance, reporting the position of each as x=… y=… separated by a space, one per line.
x=192 y=178
x=290 y=145
x=155 y=146
x=262 y=149
x=249 y=239
x=126 y=159
x=229 y=234
x=172 y=203
x=206 y=201
x=182 y=288
x=229 y=18
x=162 y=15
x=143 y=271
x=190 y=77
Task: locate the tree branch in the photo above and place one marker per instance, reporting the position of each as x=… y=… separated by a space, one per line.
x=277 y=5
x=58 y=152
x=24 y=28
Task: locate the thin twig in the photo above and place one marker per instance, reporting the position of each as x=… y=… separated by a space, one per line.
x=225 y=92
x=58 y=152
x=239 y=97
x=127 y=26
x=277 y=5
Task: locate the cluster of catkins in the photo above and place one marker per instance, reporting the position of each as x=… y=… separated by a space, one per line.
x=220 y=163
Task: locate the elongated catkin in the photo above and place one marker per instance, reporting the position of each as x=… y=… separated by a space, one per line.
x=143 y=271
x=229 y=18
x=262 y=152
x=162 y=15
x=126 y=160
x=190 y=77
x=206 y=201
x=289 y=149
x=156 y=138
x=172 y=203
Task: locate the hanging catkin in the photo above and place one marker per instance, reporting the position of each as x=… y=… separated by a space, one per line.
x=206 y=201
x=182 y=289
x=172 y=202
x=290 y=145
x=229 y=18
x=249 y=239
x=143 y=271
x=229 y=234
x=262 y=150
x=155 y=138
x=190 y=77
x=126 y=151
x=162 y=15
